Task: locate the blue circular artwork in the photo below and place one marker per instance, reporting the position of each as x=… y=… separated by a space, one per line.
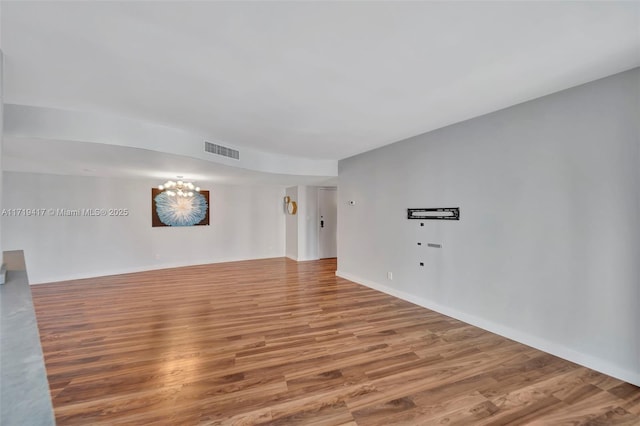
x=180 y=211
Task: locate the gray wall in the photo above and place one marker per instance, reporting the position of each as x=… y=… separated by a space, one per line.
x=308 y=223
x=1 y=136
x=547 y=250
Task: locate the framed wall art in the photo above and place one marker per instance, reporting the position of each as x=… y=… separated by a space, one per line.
x=175 y=210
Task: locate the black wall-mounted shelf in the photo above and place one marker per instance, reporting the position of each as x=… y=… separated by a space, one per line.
x=441 y=213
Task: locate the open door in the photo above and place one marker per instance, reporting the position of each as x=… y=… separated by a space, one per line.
x=328 y=222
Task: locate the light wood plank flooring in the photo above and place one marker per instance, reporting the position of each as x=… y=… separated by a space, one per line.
x=279 y=342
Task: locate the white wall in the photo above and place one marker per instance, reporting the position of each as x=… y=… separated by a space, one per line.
x=547 y=250
x=291 y=224
x=246 y=222
x=302 y=228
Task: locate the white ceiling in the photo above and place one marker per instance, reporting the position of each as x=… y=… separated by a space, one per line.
x=311 y=79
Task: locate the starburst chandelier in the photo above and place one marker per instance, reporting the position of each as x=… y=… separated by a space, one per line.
x=179 y=188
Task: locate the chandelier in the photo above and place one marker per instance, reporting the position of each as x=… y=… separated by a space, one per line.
x=179 y=188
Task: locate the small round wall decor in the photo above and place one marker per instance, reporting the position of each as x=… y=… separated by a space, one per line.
x=290 y=205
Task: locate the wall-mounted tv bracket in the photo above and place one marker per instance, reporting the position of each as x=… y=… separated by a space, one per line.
x=442 y=213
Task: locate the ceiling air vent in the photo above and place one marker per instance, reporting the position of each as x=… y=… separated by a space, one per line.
x=221 y=150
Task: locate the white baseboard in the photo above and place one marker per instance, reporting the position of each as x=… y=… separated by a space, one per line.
x=544 y=345
x=302 y=259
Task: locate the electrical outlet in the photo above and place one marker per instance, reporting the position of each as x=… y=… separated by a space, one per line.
x=390 y=275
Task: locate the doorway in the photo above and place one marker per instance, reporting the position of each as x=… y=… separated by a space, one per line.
x=328 y=222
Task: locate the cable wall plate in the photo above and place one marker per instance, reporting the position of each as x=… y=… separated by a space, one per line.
x=440 y=213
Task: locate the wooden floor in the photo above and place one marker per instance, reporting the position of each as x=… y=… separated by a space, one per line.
x=279 y=342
